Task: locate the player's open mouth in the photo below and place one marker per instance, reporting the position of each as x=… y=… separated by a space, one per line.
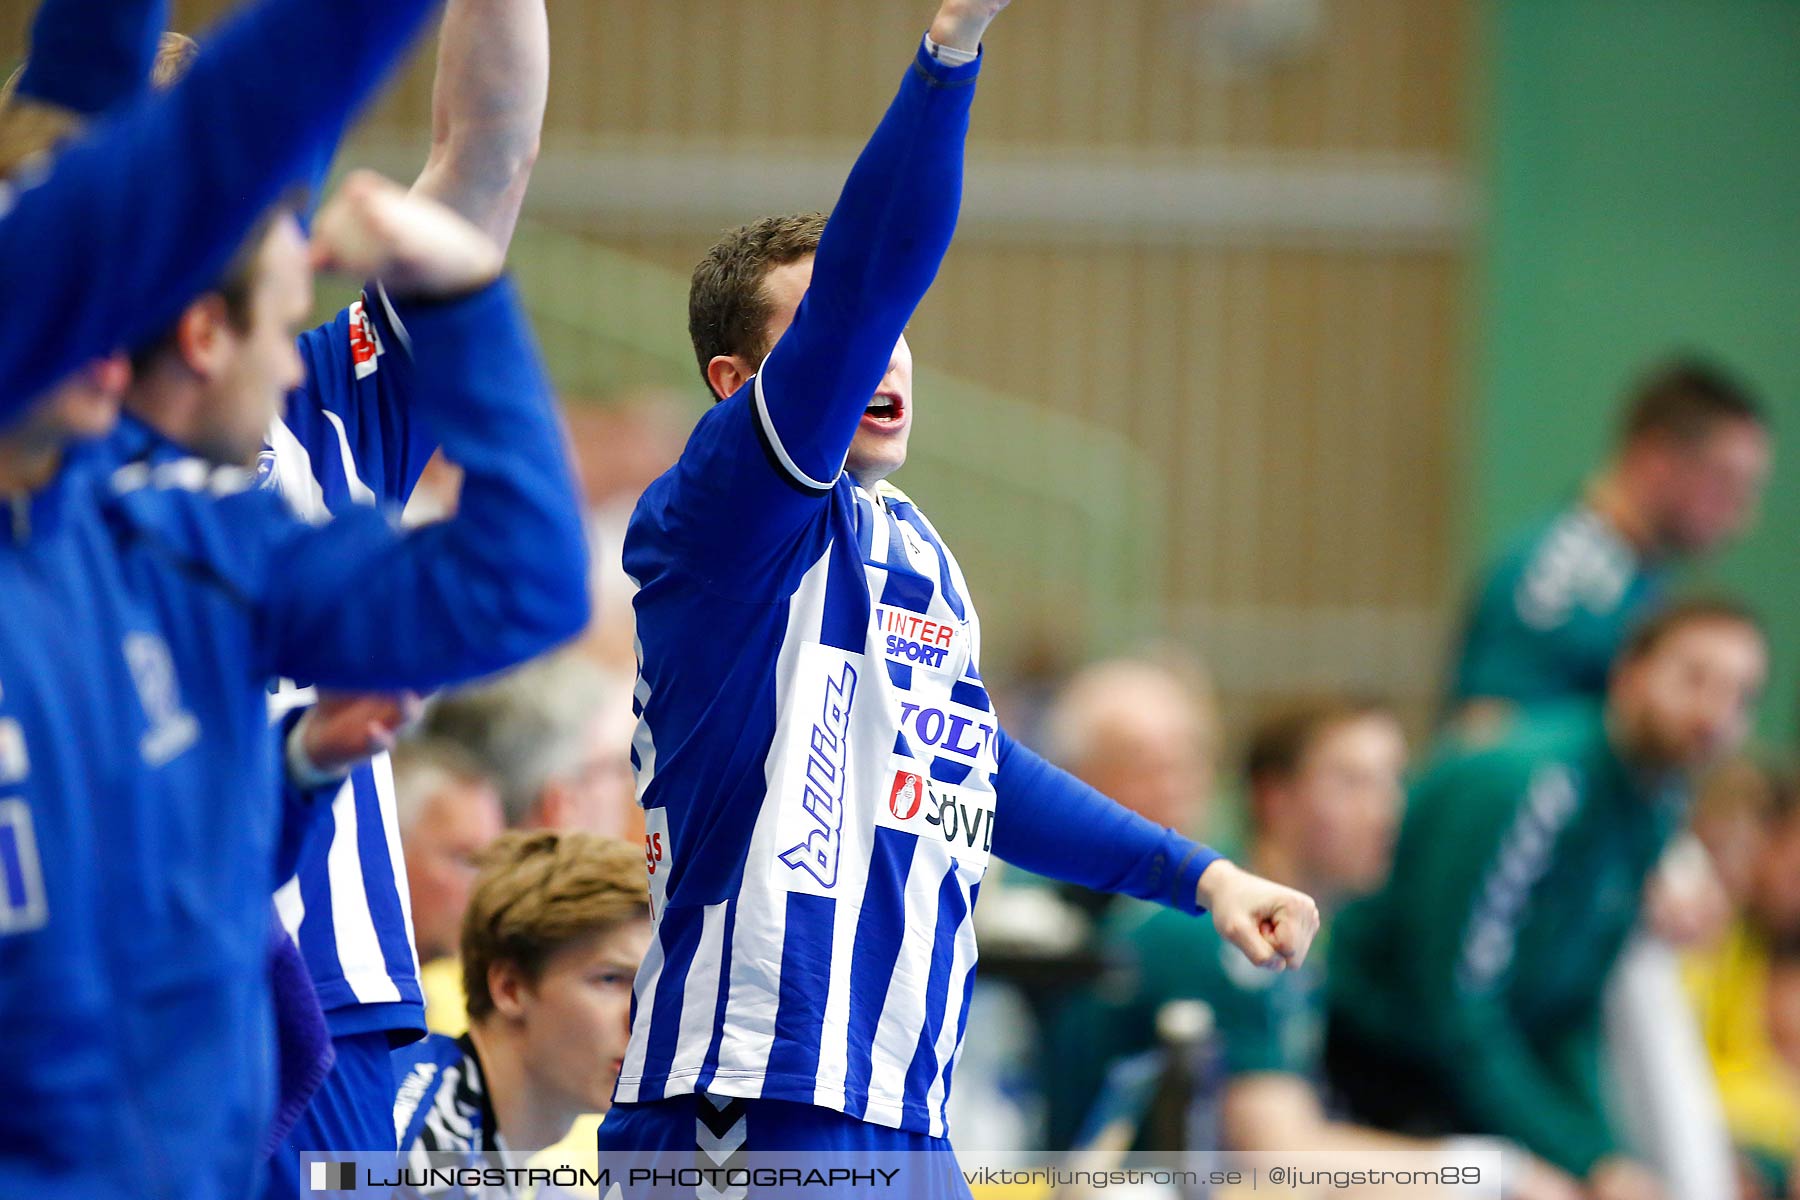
x=885 y=409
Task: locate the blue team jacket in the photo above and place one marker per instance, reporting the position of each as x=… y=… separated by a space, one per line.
x=159 y=597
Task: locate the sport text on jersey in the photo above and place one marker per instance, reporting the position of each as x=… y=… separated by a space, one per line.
x=911 y=638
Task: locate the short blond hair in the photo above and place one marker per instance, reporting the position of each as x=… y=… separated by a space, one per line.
x=175 y=54
x=540 y=891
x=30 y=127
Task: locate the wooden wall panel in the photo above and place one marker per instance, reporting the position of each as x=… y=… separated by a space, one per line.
x=1382 y=76
x=1297 y=399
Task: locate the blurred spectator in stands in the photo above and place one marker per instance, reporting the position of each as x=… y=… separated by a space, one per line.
x=1143 y=732
x=1544 y=625
x=1747 y=990
x=555 y=736
x=1323 y=784
x=1784 y=1029
x=1324 y=797
x=448 y=813
x=621 y=447
x=1466 y=996
x=1549 y=615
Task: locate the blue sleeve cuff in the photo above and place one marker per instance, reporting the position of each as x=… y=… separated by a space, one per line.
x=303 y=809
x=496 y=302
x=1195 y=859
x=942 y=74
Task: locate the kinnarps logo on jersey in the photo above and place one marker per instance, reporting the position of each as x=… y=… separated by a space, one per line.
x=365 y=343
x=822 y=782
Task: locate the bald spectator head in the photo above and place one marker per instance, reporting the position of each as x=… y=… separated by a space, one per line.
x=448 y=814
x=555 y=736
x=1144 y=733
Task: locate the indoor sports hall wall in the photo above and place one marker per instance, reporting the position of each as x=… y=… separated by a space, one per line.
x=1228 y=262
x=1247 y=266
x=1645 y=172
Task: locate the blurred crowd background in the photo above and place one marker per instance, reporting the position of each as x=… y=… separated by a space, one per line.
x=1268 y=324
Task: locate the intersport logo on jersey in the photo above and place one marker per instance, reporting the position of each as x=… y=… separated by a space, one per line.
x=913 y=639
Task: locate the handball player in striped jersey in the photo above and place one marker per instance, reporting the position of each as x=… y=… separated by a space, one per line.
x=823 y=775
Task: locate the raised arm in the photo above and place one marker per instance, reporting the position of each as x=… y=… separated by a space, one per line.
x=357 y=605
x=135 y=219
x=877 y=257
x=487 y=110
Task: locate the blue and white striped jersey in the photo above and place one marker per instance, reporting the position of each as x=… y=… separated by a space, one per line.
x=807 y=648
x=822 y=773
x=347 y=437
x=817 y=841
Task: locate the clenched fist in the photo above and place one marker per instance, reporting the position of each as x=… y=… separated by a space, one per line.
x=1273 y=925
x=373 y=228
x=345 y=729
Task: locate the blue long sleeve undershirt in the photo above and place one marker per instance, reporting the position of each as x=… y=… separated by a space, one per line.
x=135 y=219
x=1049 y=822
x=877 y=258
x=501 y=581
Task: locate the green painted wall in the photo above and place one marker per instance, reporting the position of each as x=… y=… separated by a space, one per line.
x=1643 y=184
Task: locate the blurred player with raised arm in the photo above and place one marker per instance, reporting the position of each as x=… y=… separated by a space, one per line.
x=347 y=436
x=823 y=775
x=154 y=202
x=183 y=583
x=157 y=200
x=351 y=436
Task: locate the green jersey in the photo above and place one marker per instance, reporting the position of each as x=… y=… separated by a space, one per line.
x=1551 y=613
x=1264 y=1020
x=1516 y=881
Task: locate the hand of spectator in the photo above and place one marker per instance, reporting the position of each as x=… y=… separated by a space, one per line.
x=1622 y=1178
x=1273 y=925
x=373 y=228
x=1685 y=902
x=344 y=729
